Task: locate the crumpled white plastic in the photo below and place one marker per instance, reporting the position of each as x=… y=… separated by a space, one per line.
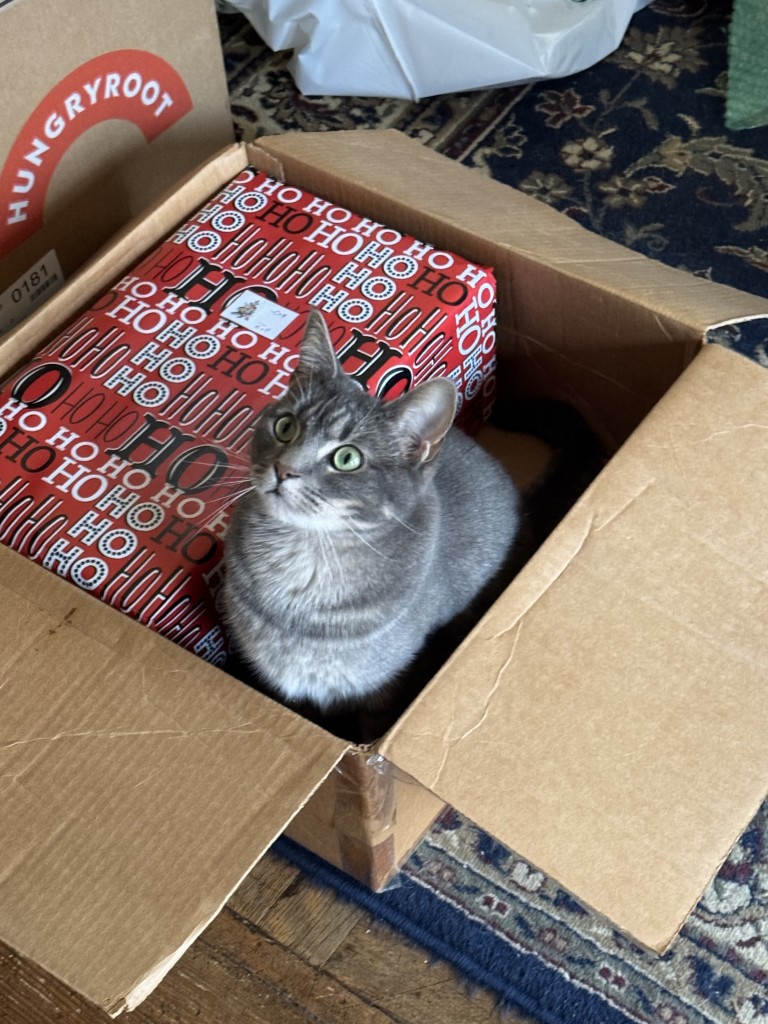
x=409 y=49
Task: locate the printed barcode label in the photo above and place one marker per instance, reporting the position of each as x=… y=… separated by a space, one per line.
x=30 y=290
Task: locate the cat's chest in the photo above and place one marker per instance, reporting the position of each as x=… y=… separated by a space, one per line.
x=294 y=566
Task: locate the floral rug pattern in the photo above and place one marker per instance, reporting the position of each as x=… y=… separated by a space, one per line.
x=716 y=972
x=635 y=149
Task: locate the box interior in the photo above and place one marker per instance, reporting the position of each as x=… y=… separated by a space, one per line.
x=137 y=739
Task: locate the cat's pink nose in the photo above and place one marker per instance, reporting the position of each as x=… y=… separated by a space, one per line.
x=282 y=472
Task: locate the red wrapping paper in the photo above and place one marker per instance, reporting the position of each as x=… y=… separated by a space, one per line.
x=123 y=444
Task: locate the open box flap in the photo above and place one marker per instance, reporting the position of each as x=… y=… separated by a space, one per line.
x=137 y=787
x=607 y=719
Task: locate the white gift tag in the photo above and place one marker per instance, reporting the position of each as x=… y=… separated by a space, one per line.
x=259 y=314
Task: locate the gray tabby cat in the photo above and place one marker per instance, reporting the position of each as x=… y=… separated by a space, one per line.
x=367 y=525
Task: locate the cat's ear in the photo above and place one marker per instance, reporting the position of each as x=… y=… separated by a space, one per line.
x=316 y=355
x=425 y=415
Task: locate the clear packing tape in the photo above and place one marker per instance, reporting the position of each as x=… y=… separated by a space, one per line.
x=409 y=49
x=365 y=818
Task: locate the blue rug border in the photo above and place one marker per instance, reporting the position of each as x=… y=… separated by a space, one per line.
x=485 y=958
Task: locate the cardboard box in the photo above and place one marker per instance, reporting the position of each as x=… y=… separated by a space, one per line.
x=607 y=718
x=106 y=106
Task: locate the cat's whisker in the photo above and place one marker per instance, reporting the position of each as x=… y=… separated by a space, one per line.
x=362 y=540
x=402 y=522
x=219 y=505
x=335 y=554
x=328 y=548
x=235 y=461
x=235 y=480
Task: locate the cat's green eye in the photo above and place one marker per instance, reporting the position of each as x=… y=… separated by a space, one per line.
x=347 y=458
x=286 y=428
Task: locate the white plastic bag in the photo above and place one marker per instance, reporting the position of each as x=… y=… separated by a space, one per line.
x=410 y=49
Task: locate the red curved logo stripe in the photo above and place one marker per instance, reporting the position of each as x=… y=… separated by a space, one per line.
x=128 y=85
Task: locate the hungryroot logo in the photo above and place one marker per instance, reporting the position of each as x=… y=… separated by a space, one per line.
x=126 y=85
